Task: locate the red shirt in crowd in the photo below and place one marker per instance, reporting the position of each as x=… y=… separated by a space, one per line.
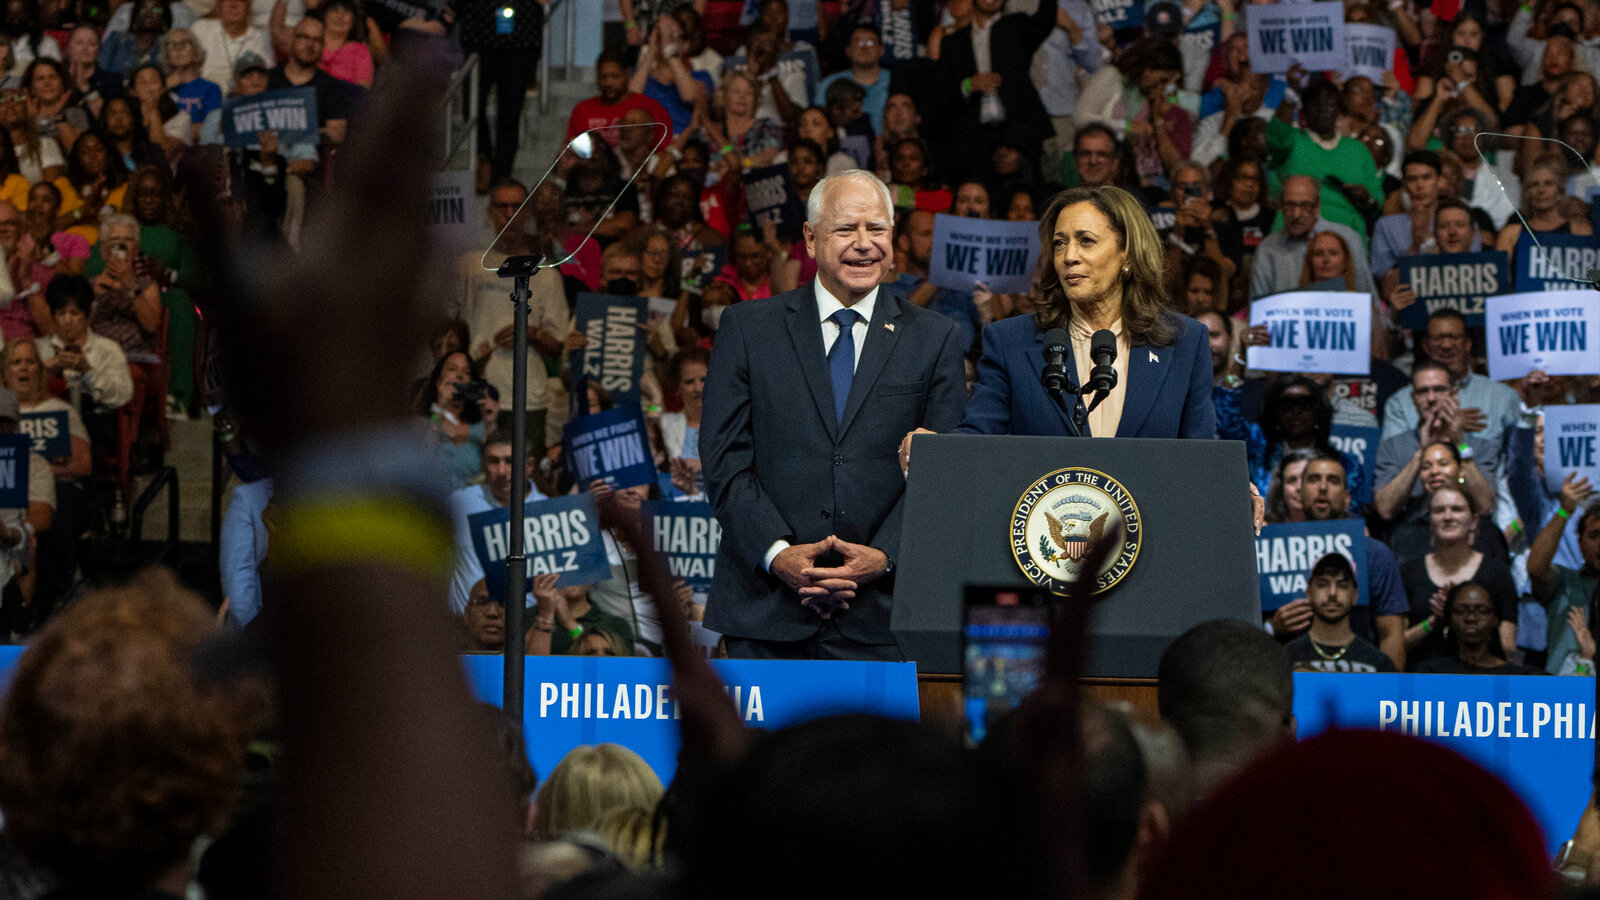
x=594 y=113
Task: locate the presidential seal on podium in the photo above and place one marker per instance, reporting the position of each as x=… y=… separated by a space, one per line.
x=1062 y=516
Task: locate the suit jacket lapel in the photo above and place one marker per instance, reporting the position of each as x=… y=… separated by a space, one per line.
x=805 y=329
x=880 y=342
x=1036 y=360
x=1147 y=369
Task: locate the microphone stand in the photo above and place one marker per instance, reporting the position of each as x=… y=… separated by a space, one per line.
x=520 y=269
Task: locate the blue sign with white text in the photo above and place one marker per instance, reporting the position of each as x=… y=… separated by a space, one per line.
x=51 y=437
x=561 y=534
x=614 y=356
x=1556 y=262
x=14 y=449
x=573 y=700
x=1536 y=734
x=611 y=446
x=1459 y=281
x=1361 y=443
x=291 y=113
x=689 y=534
x=1286 y=553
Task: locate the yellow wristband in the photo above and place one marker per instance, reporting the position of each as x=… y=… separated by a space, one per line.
x=325 y=533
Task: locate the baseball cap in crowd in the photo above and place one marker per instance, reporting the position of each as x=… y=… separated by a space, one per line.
x=10 y=408
x=1163 y=20
x=250 y=61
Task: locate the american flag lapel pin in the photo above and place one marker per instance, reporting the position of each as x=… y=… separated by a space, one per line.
x=1153 y=357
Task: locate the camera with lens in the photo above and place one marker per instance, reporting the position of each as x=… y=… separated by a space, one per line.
x=471 y=393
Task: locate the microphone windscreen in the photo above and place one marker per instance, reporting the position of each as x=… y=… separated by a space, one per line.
x=1103 y=341
x=1057 y=337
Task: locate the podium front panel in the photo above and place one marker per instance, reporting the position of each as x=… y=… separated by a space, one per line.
x=1196 y=561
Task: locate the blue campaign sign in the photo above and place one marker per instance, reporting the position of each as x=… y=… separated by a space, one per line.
x=1556 y=262
x=614 y=356
x=611 y=446
x=1555 y=331
x=769 y=195
x=1536 y=734
x=1571 y=435
x=561 y=534
x=1286 y=553
x=291 y=112
x=570 y=701
x=1314 y=331
x=1459 y=281
x=49 y=431
x=1001 y=255
x=14 y=450
x=1361 y=443
x=689 y=534
x=1119 y=14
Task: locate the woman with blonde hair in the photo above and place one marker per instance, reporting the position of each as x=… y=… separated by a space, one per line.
x=591 y=782
x=756 y=141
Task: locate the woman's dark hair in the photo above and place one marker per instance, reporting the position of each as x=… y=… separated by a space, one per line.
x=423 y=402
x=1277 y=504
x=25 y=25
x=833 y=136
x=922 y=147
x=1450 y=448
x=1272 y=406
x=1452 y=647
x=1209 y=268
x=166 y=15
x=79 y=176
x=48 y=187
x=358 y=25
x=809 y=146
x=165 y=105
x=1145 y=313
x=65 y=289
x=61 y=72
x=1150 y=53
x=1248 y=140
x=689 y=354
x=453 y=326
x=1230 y=171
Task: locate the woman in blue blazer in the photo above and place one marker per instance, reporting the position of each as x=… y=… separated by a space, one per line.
x=1101 y=267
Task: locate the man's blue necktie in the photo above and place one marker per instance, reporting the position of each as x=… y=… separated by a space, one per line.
x=842 y=359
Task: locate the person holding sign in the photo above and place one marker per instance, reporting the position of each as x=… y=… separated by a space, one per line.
x=805 y=394
x=493 y=493
x=1559 y=588
x=1330 y=645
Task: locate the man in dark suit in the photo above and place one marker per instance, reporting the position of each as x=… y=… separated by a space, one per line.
x=986 y=93
x=807 y=395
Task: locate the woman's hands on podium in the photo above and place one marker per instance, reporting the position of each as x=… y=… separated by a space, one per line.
x=905 y=449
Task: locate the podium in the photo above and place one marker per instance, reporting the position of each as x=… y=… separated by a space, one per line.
x=1188 y=500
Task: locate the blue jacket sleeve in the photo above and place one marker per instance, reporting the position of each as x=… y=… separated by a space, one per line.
x=989 y=410
x=1199 y=409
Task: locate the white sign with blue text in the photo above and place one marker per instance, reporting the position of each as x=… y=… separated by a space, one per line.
x=1556 y=332
x=1311 y=34
x=1314 y=331
x=1001 y=255
x=1571 y=436
x=1371 y=51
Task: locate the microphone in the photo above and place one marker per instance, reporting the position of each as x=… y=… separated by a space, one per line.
x=1054 y=375
x=1103 y=377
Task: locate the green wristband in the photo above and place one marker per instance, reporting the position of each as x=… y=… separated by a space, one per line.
x=1562 y=512
x=575 y=632
x=1427 y=626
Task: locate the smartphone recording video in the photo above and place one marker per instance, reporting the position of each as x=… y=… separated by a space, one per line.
x=1005 y=632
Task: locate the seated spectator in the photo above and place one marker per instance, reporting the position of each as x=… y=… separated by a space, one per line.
x=224 y=40
x=1497 y=193
x=127 y=305
x=1229 y=691
x=1242 y=219
x=484 y=620
x=1320 y=153
x=1219 y=329
x=972 y=200
x=1473 y=629
x=56 y=109
x=900 y=120
x=756 y=142
x=19 y=317
x=301 y=69
x=138 y=42
x=52 y=252
x=38 y=156
x=118 y=670
x=53 y=498
x=1098 y=157
x=664 y=76
x=344 y=43
x=1244 y=94
x=1452 y=521
x=701 y=57
x=94 y=186
x=677 y=208
x=913 y=187
x=493 y=493
x=1324 y=497
x=22 y=23
x=1437 y=465
x=613 y=101
x=166 y=125
x=1280 y=257
x=1184 y=222
x=864 y=51
x=849 y=122
x=1131 y=98
x=1019 y=204
x=1203 y=289
x=456 y=423
x=589 y=783
x=1284 y=502
x=680 y=431
x=783 y=93
x=1295 y=414
x=122 y=122
x=1410 y=231
x=1401 y=457
x=182 y=57
x=1330 y=645
x=92 y=365
x=1488 y=407
x=815 y=126
x=914 y=243
x=1545 y=206
x=592 y=186
x=564 y=621
x=1558 y=587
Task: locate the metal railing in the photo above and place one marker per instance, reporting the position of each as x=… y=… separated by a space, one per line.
x=461 y=112
x=544 y=53
x=166 y=477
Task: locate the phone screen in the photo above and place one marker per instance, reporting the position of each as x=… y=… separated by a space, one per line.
x=1005 y=633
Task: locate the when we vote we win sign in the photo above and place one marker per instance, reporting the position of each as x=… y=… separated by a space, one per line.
x=1314 y=331
x=1571 y=444
x=999 y=255
x=1555 y=332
